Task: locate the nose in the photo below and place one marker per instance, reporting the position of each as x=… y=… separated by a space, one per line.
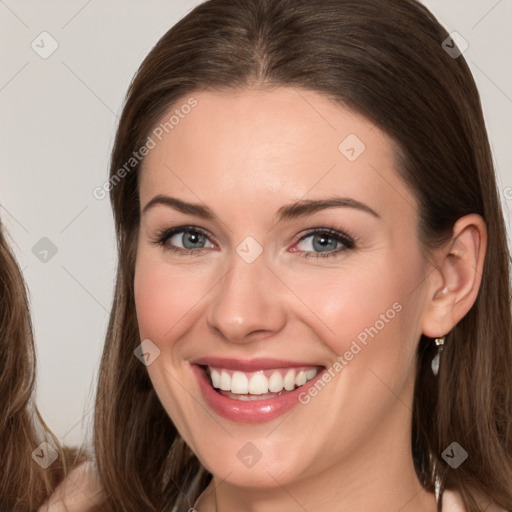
x=249 y=302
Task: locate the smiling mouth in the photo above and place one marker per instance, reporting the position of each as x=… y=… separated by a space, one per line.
x=259 y=385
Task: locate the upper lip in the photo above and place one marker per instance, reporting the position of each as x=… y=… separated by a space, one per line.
x=249 y=365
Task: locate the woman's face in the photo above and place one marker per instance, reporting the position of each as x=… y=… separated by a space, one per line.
x=243 y=289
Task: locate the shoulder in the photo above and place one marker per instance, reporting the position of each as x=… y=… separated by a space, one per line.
x=452 y=502
x=80 y=491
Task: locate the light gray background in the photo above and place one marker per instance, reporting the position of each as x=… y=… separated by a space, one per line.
x=58 y=119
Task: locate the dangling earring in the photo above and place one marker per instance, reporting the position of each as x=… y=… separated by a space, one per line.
x=435 y=361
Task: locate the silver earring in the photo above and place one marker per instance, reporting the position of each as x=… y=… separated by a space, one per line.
x=435 y=362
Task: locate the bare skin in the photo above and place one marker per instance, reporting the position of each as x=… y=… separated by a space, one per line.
x=80 y=491
x=245 y=155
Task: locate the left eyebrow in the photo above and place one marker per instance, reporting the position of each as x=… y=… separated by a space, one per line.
x=295 y=210
x=309 y=206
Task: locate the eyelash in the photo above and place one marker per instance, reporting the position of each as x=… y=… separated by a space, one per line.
x=348 y=241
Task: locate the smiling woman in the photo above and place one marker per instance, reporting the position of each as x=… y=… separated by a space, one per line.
x=323 y=223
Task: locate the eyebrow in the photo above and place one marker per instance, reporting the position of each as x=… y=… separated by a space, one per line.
x=301 y=208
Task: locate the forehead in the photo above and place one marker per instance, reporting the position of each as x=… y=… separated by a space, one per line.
x=256 y=147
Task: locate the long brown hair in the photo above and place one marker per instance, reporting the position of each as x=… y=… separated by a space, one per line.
x=24 y=484
x=385 y=61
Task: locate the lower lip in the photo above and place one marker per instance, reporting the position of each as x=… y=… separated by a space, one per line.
x=252 y=411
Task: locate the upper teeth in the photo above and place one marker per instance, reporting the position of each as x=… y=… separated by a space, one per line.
x=260 y=382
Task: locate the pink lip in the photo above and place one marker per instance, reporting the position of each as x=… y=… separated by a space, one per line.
x=249 y=365
x=255 y=411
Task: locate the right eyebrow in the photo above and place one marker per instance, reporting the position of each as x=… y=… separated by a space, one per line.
x=188 y=208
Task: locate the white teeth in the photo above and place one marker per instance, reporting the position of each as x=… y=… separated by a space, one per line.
x=214 y=374
x=311 y=373
x=275 y=383
x=225 y=381
x=289 y=380
x=301 y=378
x=239 y=383
x=257 y=383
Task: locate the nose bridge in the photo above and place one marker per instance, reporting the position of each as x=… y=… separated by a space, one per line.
x=246 y=298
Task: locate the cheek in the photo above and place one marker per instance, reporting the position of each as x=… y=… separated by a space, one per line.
x=164 y=300
x=165 y=297
x=368 y=311
x=156 y=307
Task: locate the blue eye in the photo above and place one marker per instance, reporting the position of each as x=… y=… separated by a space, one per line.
x=323 y=240
x=189 y=236
x=193 y=241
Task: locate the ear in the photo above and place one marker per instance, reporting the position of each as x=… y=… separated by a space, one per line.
x=453 y=285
